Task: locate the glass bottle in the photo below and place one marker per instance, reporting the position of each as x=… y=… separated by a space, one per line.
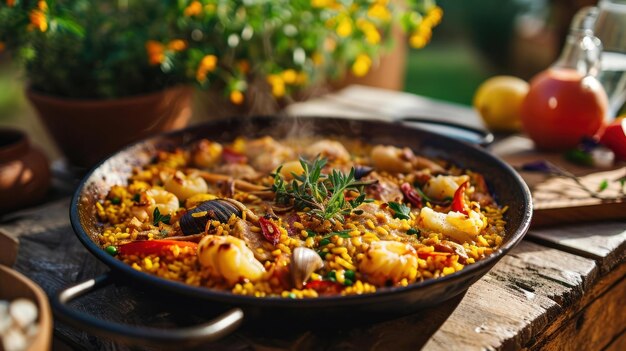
x=566 y=102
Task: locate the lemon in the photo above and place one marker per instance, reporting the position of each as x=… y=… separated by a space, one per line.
x=499 y=100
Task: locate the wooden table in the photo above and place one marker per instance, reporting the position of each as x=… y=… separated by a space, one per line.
x=562 y=288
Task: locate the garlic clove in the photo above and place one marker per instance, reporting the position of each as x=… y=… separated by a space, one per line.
x=304 y=262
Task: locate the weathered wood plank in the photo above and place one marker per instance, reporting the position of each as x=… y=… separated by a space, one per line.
x=595 y=326
x=618 y=344
x=605 y=242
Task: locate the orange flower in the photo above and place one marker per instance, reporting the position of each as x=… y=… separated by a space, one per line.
x=155 y=50
x=236 y=97
x=38 y=20
x=177 y=45
x=194 y=9
x=10 y=3
x=2 y=47
x=207 y=64
x=42 y=6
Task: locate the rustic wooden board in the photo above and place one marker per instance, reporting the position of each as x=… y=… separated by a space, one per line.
x=558 y=200
x=531 y=290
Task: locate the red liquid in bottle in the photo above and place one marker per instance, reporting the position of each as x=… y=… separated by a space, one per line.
x=561 y=107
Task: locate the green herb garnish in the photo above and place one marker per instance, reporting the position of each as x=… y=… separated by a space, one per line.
x=412 y=231
x=158 y=217
x=322 y=194
x=310 y=233
x=116 y=201
x=401 y=210
x=136 y=197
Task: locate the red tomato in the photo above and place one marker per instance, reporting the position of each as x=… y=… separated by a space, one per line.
x=614 y=137
x=561 y=107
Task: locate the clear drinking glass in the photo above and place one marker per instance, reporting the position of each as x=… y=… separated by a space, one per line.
x=610 y=27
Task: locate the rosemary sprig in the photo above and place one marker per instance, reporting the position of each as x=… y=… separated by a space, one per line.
x=323 y=194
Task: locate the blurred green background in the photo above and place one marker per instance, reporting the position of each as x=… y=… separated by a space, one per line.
x=477 y=39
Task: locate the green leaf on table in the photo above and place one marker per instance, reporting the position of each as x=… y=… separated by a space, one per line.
x=603 y=185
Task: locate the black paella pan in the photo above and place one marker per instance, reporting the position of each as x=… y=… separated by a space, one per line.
x=506 y=185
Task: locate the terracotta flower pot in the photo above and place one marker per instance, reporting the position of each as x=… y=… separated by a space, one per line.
x=88 y=130
x=24 y=171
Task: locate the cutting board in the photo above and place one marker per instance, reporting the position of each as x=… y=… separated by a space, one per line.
x=559 y=200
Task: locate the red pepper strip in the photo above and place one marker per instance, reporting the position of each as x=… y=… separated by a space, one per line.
x=231 y=156
x=458 y=202
x=153 y=247
x=270 y=230
x=425 y=255
x=324 y=286
x=411 y=195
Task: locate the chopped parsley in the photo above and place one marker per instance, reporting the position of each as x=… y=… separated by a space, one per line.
x=158 y=217
x=402 y=211
x=413 y=231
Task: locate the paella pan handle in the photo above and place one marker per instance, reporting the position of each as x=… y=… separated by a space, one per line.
x=454 y=130
x=134 y=335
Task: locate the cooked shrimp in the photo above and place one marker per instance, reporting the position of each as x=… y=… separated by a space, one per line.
x=441 y=186
x=392 y=159
x=207 y=153
x=330 y=149
x=266 y=154
x=186 y=186
x=229 y=258
x=389 y=261
x=455 y=225
x=166 y=202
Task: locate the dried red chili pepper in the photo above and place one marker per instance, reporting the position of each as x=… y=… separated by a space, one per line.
x=270 y=230
x=458 y=201
x=153 y=247
x=231 y=156
x=324 y=286
x=411 y=195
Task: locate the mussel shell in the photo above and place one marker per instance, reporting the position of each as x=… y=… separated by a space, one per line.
x=218 y=209
x=362 y=171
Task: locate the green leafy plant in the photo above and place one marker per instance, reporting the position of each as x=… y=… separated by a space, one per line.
x=103 y=49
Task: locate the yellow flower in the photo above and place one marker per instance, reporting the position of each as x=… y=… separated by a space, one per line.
x=42 y=6
x=194 y=9
x=155 y=50
x=344 y=28
x=321 y=3
x=177 y=45
x=361 y=65
x=207 y=64
x=289 y=76
x=236 y=97
x=371 y=32
x=417 y=41
x=379 y=11
x=278 y=85
x=38 y=20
